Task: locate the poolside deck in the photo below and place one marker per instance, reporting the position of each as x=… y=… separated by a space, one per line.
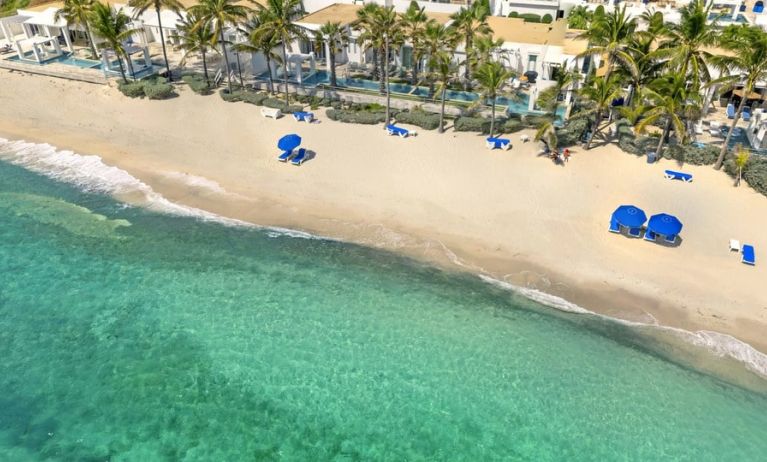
x=56 y=70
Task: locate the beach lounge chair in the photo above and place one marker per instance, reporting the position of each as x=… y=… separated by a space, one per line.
x=671 y=238
x=734 y=245
x=524 y=138
x=746 y=114
x=301 y=116
x=269 y=112
x=635 y=232
x=615 y=227
x=674 y=175
x=749 y=257
x=650 y=236
x=399 y=131
x=730 y=111
x=498 y=143
x=285 y=156
x=300 y=157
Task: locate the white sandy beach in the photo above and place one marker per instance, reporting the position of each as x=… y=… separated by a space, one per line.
x=510 y=214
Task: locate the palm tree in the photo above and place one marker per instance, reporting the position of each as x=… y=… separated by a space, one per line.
x=337 y=37
x=77 y=12
x=492 y=78
x=443 y=71
x=278 y=23
x=741 y=159
x=564 y=80
x=195 y=36
x=685 y=45
x=112 y=26
x=436 y=38
x=141 y=6
x=258 y=42
x=609 y=35
x=413 y=23
x=380 y=31
x=600 y=92
x=547 y=134
x=485 y=48
x=671 y=98
x=747 y=65
x=219 y=13
x=469 y=23
x=579 y=18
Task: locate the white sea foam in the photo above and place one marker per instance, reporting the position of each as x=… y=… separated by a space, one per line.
x=719 y=344
x=91 y=174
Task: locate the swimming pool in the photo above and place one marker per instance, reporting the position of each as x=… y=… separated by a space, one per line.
x=740 y=19
x=67 y=59
x=518 y=105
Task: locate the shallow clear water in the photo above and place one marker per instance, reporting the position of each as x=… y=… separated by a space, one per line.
x=128 y=335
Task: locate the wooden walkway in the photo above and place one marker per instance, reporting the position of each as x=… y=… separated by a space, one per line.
x=61 y=71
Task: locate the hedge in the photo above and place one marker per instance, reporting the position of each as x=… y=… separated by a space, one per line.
x=513 y=14
x=356 y=117
x=156 y=88
x=691 y=154
x=472 y=124
x=276 y=103
x=547 y=18
x=755 y=173
x=531 y=17
x=420 y=119
x=197 y=83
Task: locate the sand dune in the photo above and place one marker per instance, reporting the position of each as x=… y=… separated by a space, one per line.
x=513 y=215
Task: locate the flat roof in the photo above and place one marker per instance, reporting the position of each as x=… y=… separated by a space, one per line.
x=519 y=31
x=59 y=3
x=347 y=13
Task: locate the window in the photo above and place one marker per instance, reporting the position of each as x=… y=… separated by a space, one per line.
x=531 y=61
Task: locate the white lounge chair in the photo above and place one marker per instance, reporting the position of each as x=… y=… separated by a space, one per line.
x=270 y=112
x=734 y=245
x=525 y=138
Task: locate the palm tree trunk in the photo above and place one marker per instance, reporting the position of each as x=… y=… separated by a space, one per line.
x=595 y=128
x=723 y=151
x=122 y=69
x=663 y=136
x=376 y=73
x=162 y=40
x=332 y=59
x=442 y=111
x=383 y=64
x=285 y=73
x=90 y=40
x=205 y=67
x=226 y=62
x=492 y=118
x=467 y=71
x=740 y=176
x=414 y=80
x=269 y=69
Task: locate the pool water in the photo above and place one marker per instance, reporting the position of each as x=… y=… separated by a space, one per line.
x=67 y=59
x=740 y=19
x=517 y=105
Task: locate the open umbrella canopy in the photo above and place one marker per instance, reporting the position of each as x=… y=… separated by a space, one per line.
x=664 y=224
x=629 y=216
x=289 y=142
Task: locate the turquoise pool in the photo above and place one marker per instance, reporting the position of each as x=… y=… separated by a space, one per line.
x=67 y=59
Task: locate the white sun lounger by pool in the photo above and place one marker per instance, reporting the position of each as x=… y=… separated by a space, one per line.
x=734 y=245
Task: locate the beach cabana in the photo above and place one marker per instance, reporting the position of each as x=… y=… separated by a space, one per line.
x=630 y=217
x=664 y=225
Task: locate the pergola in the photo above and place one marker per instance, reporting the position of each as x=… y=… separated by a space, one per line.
x=11 y=26
x=42 y=48
x=51 y=26
x=133 y=67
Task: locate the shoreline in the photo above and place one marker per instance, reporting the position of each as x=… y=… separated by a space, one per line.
x=187 y=177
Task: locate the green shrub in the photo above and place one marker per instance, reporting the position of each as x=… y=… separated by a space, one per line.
x=276 y=103
x=253 y=97
x=547 y=18
x=420 y=119
x=571 y=133
x=356 y=117
x=755 y=173
x=690 y=154
x=535 y=121
x=531 y=17
x=513 y=14
x=158 y=90
x=197 y=83
x=235 y=95
x=132 y=89
x=511 y=126
x=472 y=124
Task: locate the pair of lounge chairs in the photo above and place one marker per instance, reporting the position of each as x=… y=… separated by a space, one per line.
x=303 y=116
x=746 y=114
x=296 y=159
x=498 y=143
x=674 y=175
x=652 y=237
x=392 y=129
x=747 y=251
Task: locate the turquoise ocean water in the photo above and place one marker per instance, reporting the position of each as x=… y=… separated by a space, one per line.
x=126 y=334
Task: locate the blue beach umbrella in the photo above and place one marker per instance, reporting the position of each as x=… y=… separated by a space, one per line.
x=629 y=216
x=289 y=142
x=664 y=224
